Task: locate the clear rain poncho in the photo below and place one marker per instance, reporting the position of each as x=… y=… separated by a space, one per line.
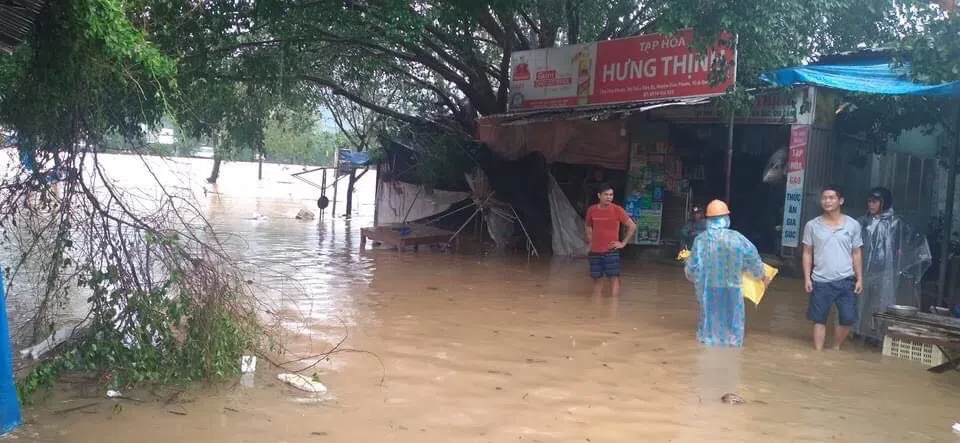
x=895 y=257
x=718 y=259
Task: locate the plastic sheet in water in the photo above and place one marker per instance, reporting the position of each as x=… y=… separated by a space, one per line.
x=569 y=235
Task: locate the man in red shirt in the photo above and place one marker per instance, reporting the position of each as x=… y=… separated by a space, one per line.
x=603 y=223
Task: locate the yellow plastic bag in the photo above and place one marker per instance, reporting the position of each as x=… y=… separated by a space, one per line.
x=754 y=289
x=683 y=255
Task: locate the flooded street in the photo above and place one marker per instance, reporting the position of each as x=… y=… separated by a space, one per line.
x=458 y=348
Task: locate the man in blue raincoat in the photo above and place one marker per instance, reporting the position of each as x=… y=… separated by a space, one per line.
x=718 y=259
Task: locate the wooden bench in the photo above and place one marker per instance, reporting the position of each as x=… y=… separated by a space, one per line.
x=402 y=235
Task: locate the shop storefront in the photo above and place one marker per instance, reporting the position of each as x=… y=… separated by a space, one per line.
x=577 y=105
x=678 y=160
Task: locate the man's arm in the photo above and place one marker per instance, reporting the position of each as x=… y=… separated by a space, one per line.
x=631 y=230
x=808 y=266
x=858 y=264
x=631 y=227
x=807 y=242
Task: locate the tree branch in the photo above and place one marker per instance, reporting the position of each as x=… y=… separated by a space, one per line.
x=336 y=89
x=441 y=94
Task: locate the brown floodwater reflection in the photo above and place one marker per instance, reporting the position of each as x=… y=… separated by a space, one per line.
x=459 y=348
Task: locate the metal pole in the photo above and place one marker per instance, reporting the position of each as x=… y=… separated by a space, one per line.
x=950 y=195
x=336 y=175
x=323 y=190
x=729 y=157
x=376 y=196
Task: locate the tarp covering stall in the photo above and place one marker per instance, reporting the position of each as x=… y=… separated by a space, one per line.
x=399 y=201
x=568 y=232
x=871 y=77
x=511 y=197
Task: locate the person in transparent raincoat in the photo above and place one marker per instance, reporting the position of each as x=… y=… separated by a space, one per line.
x=895 y=257
x=718 y=259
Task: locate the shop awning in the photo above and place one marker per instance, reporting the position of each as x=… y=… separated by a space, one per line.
x=592 y=112
x=876 y=76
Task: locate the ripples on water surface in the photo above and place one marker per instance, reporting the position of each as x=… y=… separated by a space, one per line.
x=485 y=349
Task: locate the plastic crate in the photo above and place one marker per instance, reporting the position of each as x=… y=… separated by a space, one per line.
x=929 y=355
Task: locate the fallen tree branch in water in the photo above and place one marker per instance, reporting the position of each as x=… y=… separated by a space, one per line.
x=76 y=408
x=164 y=301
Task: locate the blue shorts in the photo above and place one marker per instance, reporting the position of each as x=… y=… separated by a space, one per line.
x=838 y=293
x=605 y=265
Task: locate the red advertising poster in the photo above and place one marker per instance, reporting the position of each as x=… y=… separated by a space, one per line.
x=799 y=135
x=646 y=67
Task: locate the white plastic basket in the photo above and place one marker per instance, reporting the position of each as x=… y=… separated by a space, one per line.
x=929 y=355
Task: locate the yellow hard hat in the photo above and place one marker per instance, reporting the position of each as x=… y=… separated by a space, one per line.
x=717 y=208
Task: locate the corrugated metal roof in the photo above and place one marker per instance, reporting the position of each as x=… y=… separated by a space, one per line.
x=16 y=21
x=591 y=112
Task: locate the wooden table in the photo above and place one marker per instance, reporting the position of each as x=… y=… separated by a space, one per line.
x=936 y=330
x=403 y=235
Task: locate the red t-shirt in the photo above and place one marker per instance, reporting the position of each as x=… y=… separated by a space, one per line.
x=606 y=226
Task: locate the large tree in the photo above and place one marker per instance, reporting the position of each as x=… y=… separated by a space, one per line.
x=458 y=52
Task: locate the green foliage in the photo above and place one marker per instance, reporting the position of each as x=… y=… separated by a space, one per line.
x=227 y=94
x=157 y=336
x=932 y=43
x=781 y=33
x=85 y=72
x=306 y=144
x=880 y=118
x=441 y=156
x=450 y=59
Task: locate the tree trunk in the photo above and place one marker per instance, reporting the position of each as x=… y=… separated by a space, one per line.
x=215 y=173
x=260 y=167
x=352 y=180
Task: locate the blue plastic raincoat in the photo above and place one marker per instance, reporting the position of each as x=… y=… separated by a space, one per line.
x=718 y=259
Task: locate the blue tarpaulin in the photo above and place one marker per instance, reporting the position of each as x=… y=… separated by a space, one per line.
x=354 y=158
x=872 y=77
x=9 y=404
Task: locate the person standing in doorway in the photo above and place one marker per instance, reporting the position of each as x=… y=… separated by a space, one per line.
x=693 y=227
x=895 y=257
x=832 y=267
x=718 y=259
x=603 y=223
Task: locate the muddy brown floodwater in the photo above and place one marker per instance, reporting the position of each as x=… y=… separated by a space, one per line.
x=492 y=349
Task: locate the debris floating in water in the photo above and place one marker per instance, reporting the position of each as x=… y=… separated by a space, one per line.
x=302 y=383
x=305 y=214
x=732 y=399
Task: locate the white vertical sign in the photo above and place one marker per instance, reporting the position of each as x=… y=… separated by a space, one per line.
x=793 y=204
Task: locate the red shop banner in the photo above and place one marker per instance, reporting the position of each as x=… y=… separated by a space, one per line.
x=643 y=68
